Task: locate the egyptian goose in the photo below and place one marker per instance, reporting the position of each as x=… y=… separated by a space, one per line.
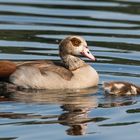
x=121 y=88
x=73 y=73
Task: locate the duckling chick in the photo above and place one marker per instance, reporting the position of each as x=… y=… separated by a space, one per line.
x=121 y=88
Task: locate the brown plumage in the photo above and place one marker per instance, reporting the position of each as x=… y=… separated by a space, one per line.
x=70 y=74
x=45 y=65
x=121 y=88
x=7 y=68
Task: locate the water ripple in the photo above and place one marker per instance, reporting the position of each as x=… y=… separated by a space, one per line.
x=32 y=30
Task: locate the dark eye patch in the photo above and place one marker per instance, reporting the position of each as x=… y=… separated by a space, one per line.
x=75 y=42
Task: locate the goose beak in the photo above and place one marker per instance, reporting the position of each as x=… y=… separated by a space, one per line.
x=88 y=54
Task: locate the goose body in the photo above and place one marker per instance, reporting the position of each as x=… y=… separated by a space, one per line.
x=31 y=77
x=72 y=73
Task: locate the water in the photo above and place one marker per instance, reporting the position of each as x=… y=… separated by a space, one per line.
x=32 y=29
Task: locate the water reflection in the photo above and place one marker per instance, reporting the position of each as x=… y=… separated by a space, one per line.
x=117 y=104
x=109 y=101
x=136 y=110
x=32 y=29
x=76 y=114
x=75 y=104
x=11 y=138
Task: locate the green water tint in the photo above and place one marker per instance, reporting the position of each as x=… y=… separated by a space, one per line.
x=32 y=30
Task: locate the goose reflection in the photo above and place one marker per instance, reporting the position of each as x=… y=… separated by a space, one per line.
x=76 y=113
x=76 y=105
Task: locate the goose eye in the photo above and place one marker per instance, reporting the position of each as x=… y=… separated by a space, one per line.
x=75 y=42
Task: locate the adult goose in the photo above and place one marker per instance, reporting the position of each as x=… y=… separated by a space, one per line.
x=73 y=73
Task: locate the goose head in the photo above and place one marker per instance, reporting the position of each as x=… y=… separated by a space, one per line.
x=75 y=46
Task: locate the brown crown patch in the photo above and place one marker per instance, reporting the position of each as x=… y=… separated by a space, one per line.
x=75 y=42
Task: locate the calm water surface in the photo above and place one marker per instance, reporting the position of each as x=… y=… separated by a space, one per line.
x=32 y=29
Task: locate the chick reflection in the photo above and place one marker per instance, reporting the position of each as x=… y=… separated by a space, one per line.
x=75 y=104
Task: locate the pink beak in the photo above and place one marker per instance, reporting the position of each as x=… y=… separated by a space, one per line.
x=88 y=54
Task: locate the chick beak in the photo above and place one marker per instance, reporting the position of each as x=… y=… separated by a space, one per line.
x=88 y=54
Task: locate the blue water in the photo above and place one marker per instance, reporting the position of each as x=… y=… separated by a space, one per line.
x=32 y=29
